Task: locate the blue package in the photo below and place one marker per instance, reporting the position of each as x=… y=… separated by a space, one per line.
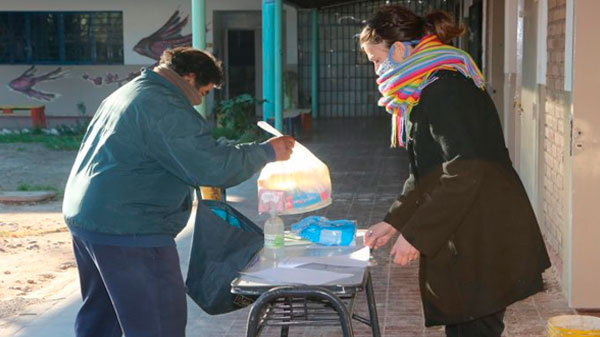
x=321 y=230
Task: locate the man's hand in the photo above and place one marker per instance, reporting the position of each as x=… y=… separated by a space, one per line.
x=283 y=147
x=379 y=234
x=403 y=252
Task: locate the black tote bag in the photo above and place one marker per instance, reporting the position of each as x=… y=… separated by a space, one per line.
x=224 y=242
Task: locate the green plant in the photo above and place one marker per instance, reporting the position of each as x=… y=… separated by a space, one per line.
x=62 y=142
x=83 y=121
x=290 y=83
x=236 y=117
x=81 y=108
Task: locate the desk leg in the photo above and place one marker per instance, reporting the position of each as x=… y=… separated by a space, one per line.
x=285 y=330
x=372 y=307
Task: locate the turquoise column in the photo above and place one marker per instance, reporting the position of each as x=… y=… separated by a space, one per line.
x=268 y=46
x=278 y=64
x=199 y=36
x=314 y=71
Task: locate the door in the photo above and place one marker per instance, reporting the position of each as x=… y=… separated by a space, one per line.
x=494 y=54
x=475 y=45
x=585 y=250
x=527 y=98
x=241 y=63
x=236 y=37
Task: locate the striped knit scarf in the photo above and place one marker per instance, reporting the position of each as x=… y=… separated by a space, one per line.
x=402 y=85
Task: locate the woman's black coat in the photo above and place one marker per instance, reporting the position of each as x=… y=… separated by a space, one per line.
x=464 y=207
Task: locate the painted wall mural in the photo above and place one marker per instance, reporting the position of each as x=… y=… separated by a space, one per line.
x=101 y=77
x=25 y=83
x=110 y=78
x=152 y=46
x=167 y=36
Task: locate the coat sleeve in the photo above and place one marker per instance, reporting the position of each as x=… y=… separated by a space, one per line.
x=182 y=143
x=403 y=208
x=450 y=111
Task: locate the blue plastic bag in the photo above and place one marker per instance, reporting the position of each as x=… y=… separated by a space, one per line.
x=327 y=232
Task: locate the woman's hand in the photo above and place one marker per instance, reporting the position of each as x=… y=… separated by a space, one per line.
x=379 y=234
x=403 y=252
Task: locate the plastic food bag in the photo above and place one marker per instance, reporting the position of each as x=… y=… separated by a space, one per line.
x=297 y=185
x=321 y=230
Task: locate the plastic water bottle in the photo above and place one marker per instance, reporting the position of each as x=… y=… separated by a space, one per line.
x=273 y=232
x=273 y=239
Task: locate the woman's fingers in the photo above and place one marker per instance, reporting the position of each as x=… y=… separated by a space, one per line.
x=379 y=234
x=403 y=252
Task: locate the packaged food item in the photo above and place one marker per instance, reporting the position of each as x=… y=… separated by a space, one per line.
x=297 y=185
x=321 y=230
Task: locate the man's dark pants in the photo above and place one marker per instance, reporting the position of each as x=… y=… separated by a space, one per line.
x=130 y=290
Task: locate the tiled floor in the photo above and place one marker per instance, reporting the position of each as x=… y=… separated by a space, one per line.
x=366 y=177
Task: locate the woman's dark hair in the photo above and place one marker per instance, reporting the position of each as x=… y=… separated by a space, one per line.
x=185 y=60
x=393 y=23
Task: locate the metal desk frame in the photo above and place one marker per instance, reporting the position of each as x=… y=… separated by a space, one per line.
x=303 y=305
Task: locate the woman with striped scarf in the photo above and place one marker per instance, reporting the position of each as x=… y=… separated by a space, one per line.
x=463 y=211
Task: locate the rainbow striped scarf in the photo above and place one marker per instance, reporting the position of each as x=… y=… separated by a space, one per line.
x=401 y=86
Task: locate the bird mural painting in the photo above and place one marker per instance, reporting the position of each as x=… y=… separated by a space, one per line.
x=110 y=78
x=152 y=46
x=25 y=83
x=167 y=36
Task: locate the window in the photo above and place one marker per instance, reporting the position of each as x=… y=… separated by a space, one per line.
x=61 y=37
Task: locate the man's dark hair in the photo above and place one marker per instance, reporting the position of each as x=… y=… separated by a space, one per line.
x=185 y=60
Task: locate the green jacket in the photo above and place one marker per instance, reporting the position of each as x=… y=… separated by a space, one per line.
x=144 y=151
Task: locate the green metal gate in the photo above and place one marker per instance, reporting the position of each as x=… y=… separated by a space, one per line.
x=346 y=85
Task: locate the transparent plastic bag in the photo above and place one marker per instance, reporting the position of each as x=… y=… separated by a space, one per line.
x=297 y=185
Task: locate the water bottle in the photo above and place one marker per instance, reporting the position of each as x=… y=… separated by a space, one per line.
x=273 y=230
x=273 y=239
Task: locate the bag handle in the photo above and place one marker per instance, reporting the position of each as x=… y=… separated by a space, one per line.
x=267 y=127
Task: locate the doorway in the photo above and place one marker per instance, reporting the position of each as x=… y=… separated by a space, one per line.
x=530 y=98
x=241 y=63
x=236 y=37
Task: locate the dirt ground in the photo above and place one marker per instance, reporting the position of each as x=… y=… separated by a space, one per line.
x=35 y=246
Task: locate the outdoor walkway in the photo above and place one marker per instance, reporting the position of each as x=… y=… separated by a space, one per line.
x=366 y=177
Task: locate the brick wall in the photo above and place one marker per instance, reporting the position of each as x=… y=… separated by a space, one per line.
x=554 y=220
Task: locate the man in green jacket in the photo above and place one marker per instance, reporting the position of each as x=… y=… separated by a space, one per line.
x=130 y=193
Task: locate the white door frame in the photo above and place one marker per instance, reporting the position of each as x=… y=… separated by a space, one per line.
x=513 y=60
x=585 y=190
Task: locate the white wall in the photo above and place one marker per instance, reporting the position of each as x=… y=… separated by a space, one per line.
x=140 y=19
x=69 y=89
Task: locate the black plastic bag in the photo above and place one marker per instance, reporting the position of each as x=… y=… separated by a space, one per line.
x=223 y=244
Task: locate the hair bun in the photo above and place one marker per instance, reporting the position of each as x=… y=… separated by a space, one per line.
x=442 y=24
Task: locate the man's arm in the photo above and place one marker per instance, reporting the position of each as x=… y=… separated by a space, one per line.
x=182 y=143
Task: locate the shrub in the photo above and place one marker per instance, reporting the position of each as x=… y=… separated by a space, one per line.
x=236 y=119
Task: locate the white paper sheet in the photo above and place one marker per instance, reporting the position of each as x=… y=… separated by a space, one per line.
x=298 y=276
x=359 y=258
